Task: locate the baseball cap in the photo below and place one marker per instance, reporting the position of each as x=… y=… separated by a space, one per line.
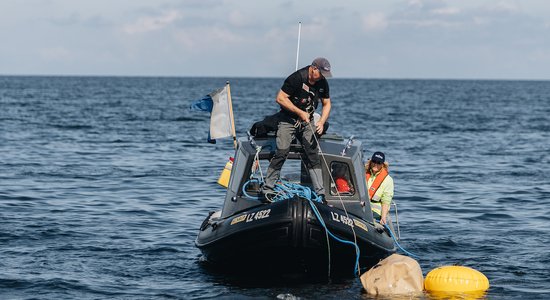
x=323 y=65
x=378 y=157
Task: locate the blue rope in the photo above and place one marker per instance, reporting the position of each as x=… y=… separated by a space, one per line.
x=244 y=189
x=287 y=190
x=284 y=190
x=399 y=246
x=357 y=251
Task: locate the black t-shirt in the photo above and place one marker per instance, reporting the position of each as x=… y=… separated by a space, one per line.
x=303 y=94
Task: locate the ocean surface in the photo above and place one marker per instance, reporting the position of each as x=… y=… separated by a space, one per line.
x=104 y=182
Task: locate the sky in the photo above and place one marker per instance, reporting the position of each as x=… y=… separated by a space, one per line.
x=417 y=39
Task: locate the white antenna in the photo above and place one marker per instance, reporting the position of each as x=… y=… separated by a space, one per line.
x=298 y=48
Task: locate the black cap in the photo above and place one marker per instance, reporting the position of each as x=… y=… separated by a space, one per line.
x=378 y=157
x=323 y=65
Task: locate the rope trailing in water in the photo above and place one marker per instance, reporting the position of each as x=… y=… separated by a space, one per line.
x=313 y=129
x=357 y=251
x=399 y=246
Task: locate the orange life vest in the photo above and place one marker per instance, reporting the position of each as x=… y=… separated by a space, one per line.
x=377 y=182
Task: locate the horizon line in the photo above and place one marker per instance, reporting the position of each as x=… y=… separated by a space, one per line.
x=271 y=77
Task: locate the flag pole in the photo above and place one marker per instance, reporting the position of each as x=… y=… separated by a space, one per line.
x=231 y=114
x=298 y=48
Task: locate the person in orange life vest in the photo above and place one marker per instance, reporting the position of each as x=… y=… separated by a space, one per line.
x=340 y=175
x=379 y=185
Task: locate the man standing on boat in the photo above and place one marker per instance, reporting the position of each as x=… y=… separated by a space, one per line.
x=299 y=97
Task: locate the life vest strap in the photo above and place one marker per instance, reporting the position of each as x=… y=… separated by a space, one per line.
x=377 y=182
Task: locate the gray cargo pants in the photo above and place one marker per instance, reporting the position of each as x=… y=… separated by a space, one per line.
x=304 y=133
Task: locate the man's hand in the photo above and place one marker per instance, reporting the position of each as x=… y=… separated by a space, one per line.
x=304 y=116
x=319 y=127
x=383 y=220
x=324 y=115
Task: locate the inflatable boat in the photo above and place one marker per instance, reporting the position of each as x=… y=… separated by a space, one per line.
x=297 y=232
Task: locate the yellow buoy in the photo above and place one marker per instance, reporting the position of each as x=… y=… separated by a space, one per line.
x=226 y=173
x=455 y=279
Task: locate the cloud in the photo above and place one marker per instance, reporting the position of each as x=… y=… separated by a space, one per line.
x=425 y=5
x=446 y=11
x=316 y=30
x=398 y=38
x=427 y=13
x=238 y=19
x=147 y=24
x=374 y=22
x=212 y=38
x=503 y=7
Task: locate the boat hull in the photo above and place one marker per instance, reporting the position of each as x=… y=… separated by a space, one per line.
x=287 y=237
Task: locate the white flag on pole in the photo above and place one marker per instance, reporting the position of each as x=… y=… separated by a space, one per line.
x=220 y=120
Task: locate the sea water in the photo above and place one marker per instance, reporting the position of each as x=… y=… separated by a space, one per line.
x=104 y=182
